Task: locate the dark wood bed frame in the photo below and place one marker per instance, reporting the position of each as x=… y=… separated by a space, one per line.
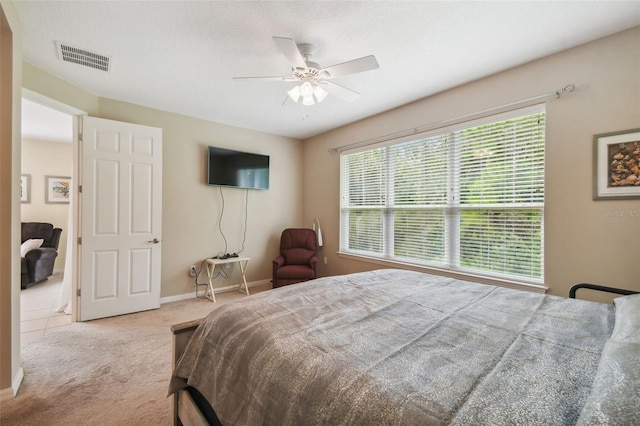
x=184 y=410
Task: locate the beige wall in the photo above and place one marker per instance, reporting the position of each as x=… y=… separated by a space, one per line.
x=39 y=82
x=583 y=242
x=40 y=159
x=191 y=209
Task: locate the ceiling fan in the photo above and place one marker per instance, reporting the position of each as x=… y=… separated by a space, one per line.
x=314 y=84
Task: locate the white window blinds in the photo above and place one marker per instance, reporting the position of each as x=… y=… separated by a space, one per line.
x=469 y=198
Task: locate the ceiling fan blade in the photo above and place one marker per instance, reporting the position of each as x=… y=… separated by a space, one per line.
x=290 y=50
x=287 y=78
x=366 y=63
x=339 y=91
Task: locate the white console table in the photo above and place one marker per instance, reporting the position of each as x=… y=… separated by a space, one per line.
x=211 y=264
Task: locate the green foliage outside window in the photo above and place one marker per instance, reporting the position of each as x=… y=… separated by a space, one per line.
x=469 y=199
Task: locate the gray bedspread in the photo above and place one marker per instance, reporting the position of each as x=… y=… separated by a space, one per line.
x=393 y=347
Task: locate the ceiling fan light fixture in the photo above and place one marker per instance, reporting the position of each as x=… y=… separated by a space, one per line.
x=306 y=89
x=320 y=93
x=294 y=94
x=309 y=91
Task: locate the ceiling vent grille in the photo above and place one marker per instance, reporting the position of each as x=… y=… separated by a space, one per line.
x=83 y=57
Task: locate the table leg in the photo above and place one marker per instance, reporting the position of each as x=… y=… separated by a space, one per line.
x=243 y=269
x=210 y=293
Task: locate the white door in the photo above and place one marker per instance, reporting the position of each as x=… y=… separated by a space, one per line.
x=121 y=218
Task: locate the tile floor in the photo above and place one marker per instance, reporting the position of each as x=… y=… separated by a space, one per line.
x=38 y=316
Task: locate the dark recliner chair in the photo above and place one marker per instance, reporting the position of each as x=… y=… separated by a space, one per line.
x=37 y=265
x=298 y=260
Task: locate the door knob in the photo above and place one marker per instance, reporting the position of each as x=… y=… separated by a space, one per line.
x=154 y=241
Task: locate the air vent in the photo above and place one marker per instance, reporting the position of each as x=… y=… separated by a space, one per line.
x=82 y=57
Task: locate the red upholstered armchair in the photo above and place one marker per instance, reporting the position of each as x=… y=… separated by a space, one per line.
x=298 y=260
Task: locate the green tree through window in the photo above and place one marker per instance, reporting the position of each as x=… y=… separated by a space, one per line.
x=469 y=198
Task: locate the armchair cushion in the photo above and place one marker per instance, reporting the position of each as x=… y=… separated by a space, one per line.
x=298 y=256
x=296 y=272
x=29 y=245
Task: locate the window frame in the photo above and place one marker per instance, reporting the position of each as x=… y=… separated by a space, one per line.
x=451 y=210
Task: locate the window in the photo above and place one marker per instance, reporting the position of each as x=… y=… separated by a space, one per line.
x=467 y=198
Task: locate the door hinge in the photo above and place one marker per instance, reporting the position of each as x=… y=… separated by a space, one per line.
x=79 y=240
x=78 y=292
x=80 y=188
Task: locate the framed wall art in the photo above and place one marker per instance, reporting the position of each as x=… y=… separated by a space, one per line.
x=616 y=168
x=57 y=189
x=25 y=189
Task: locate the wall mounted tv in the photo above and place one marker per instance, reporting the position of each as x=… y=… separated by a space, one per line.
x=236 y=169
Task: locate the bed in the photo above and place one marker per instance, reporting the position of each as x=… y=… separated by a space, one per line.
x=394 y=347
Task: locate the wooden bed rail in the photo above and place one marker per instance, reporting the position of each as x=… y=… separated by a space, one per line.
x=181 y=334
x=576 y=287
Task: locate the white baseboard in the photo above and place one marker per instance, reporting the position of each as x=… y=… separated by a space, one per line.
x=10 y=393
x=176 y=298
x=218 y=290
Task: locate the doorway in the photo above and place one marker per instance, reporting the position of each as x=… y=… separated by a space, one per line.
x=47 y=155
x=53 y=123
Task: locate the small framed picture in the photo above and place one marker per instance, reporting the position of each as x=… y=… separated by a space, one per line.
x=25 y=189
x=616 y=167
x=57 y=189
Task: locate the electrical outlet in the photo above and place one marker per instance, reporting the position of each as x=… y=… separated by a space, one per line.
x=325 y=260
x=192 y=271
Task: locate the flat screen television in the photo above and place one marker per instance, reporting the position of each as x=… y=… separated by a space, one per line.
x=236 y=169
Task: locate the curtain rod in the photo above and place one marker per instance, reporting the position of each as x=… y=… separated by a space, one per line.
x=427 y=127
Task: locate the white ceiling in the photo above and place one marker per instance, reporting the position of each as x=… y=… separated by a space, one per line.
x=180 y=56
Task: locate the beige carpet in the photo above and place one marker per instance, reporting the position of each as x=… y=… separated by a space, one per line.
x=113 y=371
